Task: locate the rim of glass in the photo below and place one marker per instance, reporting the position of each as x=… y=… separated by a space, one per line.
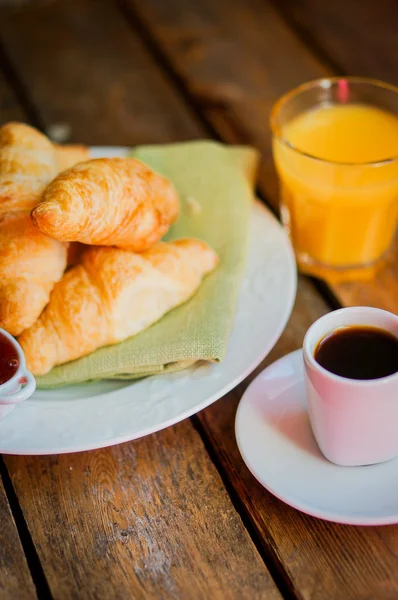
x=321 y=82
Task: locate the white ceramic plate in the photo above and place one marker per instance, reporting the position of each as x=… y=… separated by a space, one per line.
x=276 y=442
x=95 y=415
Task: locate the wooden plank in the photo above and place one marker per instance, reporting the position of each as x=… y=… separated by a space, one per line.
x=381 y=291
x=85 y=74
x=150 y=519
x=236 y=68
x=9 y=107
x=15 y=578
x=145 y=520
x=360 y=38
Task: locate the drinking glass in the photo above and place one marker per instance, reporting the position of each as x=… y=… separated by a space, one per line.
x=341 y=217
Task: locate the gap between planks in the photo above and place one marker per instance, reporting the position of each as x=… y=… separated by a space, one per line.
x=11 y=78
x=32 y=558
x=268 y=553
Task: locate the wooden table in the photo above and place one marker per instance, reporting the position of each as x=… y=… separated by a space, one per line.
x=177 y=514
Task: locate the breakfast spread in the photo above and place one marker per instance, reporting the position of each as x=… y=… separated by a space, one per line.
x=85 y=268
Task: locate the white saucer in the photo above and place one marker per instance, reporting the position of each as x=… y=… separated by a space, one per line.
x=276 y=442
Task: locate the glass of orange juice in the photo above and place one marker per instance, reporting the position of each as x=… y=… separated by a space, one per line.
x=335 y=145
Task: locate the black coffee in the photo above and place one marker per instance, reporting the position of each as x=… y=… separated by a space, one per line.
x=359 y=352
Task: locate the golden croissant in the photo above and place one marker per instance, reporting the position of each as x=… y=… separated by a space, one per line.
x=69 y=155
x=30 y=264
x=112 y=295
x=27 y=165
x=109 y=202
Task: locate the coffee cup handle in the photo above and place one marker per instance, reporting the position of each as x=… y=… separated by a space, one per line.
x=29 y=386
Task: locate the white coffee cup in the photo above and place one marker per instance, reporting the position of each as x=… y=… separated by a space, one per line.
x=21 y=385
x=355 y=422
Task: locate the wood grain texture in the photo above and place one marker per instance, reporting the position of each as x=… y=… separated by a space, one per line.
x=237 y=67
x=84 y=69
x=381 y=291
x=323 y=561
x=361 y=38
x=9 y=107
x=149 y=519
x=15 y=579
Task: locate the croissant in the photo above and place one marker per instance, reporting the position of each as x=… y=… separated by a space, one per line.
x=27 y=165
x=112 y=295
x=30 y=264
x=108 y=202
x=68 y=155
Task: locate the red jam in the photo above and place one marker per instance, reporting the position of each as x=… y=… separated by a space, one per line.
x=9 y=360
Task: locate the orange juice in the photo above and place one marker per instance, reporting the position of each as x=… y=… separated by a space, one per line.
x=339 y=191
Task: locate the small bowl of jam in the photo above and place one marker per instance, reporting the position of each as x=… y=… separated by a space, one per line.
x=16 y=383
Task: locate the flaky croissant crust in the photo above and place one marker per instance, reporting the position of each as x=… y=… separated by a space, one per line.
x=27 y=165
x=109 y=202
x=112 y=295
x=30 y=264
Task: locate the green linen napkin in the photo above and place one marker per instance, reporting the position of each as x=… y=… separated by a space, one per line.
x=215 y=186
